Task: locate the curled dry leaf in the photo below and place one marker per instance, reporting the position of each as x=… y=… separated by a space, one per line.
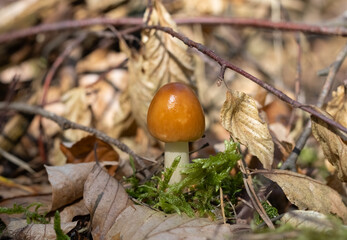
x=337 y=107
x=67 y=182
x=334 y=148
x=115 y=217
x=162 y=59
x=308 y=193
x=86 y=149
x=239 y=115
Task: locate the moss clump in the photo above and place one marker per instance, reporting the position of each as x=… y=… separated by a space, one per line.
x=199 y=190
x=31 y=216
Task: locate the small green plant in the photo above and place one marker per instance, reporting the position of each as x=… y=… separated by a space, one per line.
x=57 y=228
x=270 y=211
x=199 y=190
x=31 y=216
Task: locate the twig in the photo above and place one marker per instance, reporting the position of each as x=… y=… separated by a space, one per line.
x=290 y=163
x=224 y=63
x=221 y=196
x=58 y=61
x=16 y=160
x=237 y=22
x=67 y=124
x=247 y=180
x=150 y=10
x=47 y=82
x=297 y=80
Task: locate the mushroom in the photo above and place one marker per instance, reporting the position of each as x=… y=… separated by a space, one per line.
x=175 y=117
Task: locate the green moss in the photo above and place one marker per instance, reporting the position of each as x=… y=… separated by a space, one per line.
x=199 y=190
x=270 y=211
x=31 y=216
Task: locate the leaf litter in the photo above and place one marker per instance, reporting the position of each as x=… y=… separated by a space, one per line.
x=93 y=87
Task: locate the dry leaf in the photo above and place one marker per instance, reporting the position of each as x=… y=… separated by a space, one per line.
x=337 y=107
x=19 y=14
x=105 y=199
x=21 y=230
x=76 y=110
x=307 y=219
x=115 y=217
x=308 y=193
x=162 y=59
x=149 y=224
x=335 y=150
x=67 y=182
x=239 y=115
x=71 y=211
x=85 y=150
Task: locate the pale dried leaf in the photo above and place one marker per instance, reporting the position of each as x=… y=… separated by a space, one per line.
x=76 y=110
x=105 y=199
x=335 y=150
x=239 y=115
x=162 y=59
x=67 y=182
x=71 y=211
x=307 y=219
x=337 y=107
x=308 y=193
x=114 y=216
x=21 y=230
x=148 y=224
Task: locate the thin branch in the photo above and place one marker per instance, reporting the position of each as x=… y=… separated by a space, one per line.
x=67 y=124
x=58 y=61
x=16 y=160
x=237 y=22
x=67 y=25
x=297 y=80
x=247 y=180
x=224 y=63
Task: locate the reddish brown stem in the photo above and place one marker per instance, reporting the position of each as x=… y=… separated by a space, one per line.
x=237 y=22
x=224 y=63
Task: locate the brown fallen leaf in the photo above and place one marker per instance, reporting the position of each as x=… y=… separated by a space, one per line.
x=150 y=224
x=337 y=106
x=114 y=216
x=307 y=193
x=105 y=199
x=307 y=219
x=21 y=230
x=239 y=115
x=67 y=182
x=162 y=59
x=76 y=110
x=71 y=211
x=334 y=148
x=84 y=151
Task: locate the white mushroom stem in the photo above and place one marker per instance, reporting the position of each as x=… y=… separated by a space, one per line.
x=173 y=150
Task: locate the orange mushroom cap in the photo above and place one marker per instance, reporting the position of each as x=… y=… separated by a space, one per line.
x=175 y=114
